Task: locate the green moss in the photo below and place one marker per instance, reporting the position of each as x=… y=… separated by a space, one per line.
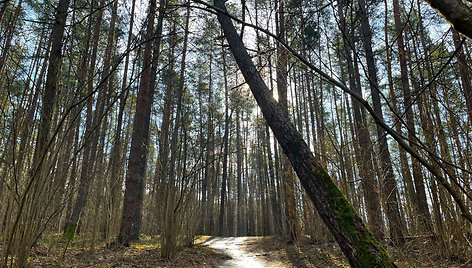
x=70 y=231
x=364 y=242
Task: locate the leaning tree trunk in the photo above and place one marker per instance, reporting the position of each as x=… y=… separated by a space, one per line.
x=356 y=241
x=456 y=12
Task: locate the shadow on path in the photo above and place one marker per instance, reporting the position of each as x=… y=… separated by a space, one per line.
x=236 y=248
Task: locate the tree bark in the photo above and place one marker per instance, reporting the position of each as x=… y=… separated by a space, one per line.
x=464 y=73
x=133 y=199
x=456 y=12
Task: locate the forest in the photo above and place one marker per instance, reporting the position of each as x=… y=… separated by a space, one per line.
x=249 y=133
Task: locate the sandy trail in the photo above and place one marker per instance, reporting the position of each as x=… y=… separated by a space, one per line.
x=235 y=247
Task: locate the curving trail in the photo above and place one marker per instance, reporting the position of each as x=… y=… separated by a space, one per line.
x=241 y=257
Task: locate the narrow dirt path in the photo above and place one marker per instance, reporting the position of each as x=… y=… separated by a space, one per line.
x=235 y=247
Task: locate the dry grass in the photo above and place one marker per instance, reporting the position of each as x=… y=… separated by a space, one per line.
x=143 y=254
x=417 y=253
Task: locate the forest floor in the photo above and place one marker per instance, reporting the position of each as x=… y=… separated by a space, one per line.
x=144 y=254
x=222 y=252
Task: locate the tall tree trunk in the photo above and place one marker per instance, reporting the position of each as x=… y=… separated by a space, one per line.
x=239 y=174
x=424 y=216
x=276 y=212
x=157 y=189
x=9 y=33
x=389 y=184
x=364 y=156
x=274 y=183
x=93 y=127
x=287 y=175
x=210 y=171
x=464 y=73
x=224 y=178
x=116 y=180
x=171 y=214
x=104 y=88
x=133 y=199
x=162 y=171
x=404 y=166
